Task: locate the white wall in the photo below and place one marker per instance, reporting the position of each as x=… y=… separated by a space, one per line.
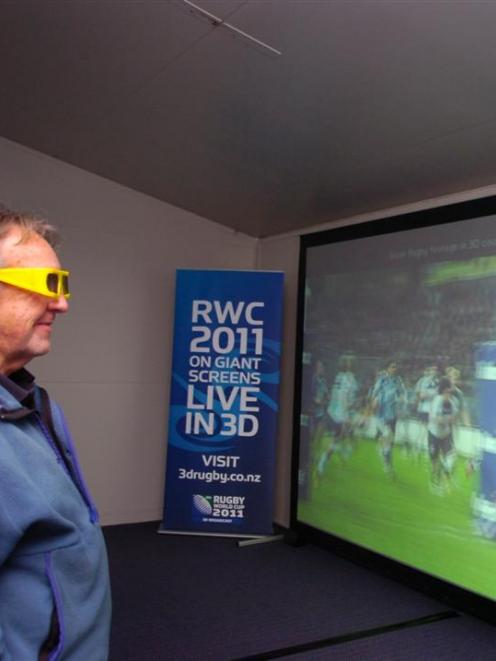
x=281 y=254
x=110 y=363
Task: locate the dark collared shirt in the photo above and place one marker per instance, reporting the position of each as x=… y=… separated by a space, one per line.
x=20 y=384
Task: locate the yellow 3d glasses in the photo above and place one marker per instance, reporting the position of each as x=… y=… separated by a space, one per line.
x=47 y=282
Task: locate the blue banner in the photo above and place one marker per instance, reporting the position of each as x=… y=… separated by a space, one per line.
x=224 y=402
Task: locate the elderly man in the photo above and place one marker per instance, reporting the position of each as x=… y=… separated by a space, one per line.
x=54 y=585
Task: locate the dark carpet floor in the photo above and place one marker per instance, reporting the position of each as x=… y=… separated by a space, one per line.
x=191 y=598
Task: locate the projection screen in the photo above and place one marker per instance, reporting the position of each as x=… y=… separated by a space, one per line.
x=395 y=414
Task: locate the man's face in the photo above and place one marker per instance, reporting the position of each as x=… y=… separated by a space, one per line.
x=25 y=318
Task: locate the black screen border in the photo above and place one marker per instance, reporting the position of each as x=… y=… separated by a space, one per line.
x=462 y=599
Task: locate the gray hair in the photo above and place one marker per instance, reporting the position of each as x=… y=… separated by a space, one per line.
x=28 y=224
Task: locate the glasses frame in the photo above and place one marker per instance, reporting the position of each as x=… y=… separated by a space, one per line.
x=35 y=279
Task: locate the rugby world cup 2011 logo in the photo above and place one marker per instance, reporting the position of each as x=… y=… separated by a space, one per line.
x=202 y=506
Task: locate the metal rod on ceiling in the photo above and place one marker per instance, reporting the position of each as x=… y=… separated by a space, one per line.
x=219 y=22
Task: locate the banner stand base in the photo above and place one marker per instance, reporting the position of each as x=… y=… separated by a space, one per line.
x=260 y=540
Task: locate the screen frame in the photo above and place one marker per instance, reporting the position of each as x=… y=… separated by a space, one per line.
x=451 y=594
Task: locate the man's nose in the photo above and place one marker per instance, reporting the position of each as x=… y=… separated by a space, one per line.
x=59 y=305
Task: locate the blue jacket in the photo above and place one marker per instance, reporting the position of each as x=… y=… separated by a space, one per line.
x=52 y=552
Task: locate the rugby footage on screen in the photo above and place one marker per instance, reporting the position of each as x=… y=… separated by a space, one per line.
x=396 y=391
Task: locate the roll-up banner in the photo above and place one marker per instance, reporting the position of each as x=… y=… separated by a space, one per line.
x=223 y=403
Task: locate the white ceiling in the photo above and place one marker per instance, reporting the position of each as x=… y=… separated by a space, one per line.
x=372 y=103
